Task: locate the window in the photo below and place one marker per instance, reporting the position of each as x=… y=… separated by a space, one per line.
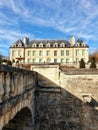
x=67 y=60
x=14 y=45
x=40 y=53
x=77 y=60
x=40 y=60
x=48 y=45
x=41 y=45
x=47 y=53
x=67 y=52
x=62 y=45
x=62 y=52
x=62 y=60
x=83 y=52
x=19 y=45
x=55 y=60
x=19 y=53
x=34 y=45
x=29 y=53
x=55 y=53
x=77 y=52
x=55 y=45
x=29 y=60
x=33 y=53
x=34 y=60
x=13 y=53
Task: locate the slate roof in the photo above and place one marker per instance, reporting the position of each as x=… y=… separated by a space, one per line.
x=81 y=43
x=48 y=41
x=19 y=42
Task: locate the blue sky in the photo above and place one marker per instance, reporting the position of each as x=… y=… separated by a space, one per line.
x=48 y=19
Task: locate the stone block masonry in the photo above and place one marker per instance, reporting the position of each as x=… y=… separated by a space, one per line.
x=69 y=102
x=53 y=99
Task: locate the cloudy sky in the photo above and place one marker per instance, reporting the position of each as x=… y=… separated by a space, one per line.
x=48 y=19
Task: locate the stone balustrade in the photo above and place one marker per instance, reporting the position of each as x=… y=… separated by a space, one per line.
x=16 y=92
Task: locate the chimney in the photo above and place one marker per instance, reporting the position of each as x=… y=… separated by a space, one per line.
x=26 y=40
x=72 y=40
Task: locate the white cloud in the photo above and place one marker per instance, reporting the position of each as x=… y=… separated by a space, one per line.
x=73 y=17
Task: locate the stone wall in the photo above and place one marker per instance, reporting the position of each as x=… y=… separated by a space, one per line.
x=57 y=100
x=68 y=103
x=17 y=87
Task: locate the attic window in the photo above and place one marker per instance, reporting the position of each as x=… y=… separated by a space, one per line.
x=19 y=45
x=55 y=45
x=48 y=45
x=34 y=45
x=14 y=45
x=41 y=45
x=62 y=45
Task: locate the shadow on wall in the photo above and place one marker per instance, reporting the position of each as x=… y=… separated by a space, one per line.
x=58 y=109
x=22 y=120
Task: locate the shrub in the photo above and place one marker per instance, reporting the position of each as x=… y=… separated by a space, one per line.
x=9 y=62
x=82 y=63
x=93 y=63
x=4 y=60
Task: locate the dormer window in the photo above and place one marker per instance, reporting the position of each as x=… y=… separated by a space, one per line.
x=14 y=45
x=77 y=44
x=83 y=44
x=34 y=45
x=55 y=45
x=41 y=45
x=19 y=45
x=62 y=45
x=48 y=45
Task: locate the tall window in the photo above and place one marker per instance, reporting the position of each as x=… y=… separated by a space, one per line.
x=55 y=60
x=29 y=53
x=40 y=60
x=40 y=53
x=13 y=53
x=34 y=60
x=83 y=52
x=77 y=52
x=34 y=53
x=62 y=52
x=47 y=53
x=67 y=60
x=19 y=53
x=55 y=53
x=77 y=60
x=62 y=60
x=67 y=52
x=29 y=60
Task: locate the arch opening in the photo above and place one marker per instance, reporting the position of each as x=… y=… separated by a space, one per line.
x=21 y=121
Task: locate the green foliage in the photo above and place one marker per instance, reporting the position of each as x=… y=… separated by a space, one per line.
x=82 y=63
x=1 y=58
x=93 y=63
x=9 y=62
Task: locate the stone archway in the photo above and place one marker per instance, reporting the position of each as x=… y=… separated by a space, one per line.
x=21 y=121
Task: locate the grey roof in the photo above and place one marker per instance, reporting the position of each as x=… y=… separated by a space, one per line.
x=81 y=43
x=48 y=41
x=18 y=42
x=79 y=40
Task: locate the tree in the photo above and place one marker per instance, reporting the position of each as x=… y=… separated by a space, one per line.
x=93 y=55
x=82 y=63
x=1 y=57
x=93 y=63
x=9 y=62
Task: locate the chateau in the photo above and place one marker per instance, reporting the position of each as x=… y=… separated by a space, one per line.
x=49 y=51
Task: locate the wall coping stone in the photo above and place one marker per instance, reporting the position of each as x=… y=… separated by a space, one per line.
x=80 y=71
